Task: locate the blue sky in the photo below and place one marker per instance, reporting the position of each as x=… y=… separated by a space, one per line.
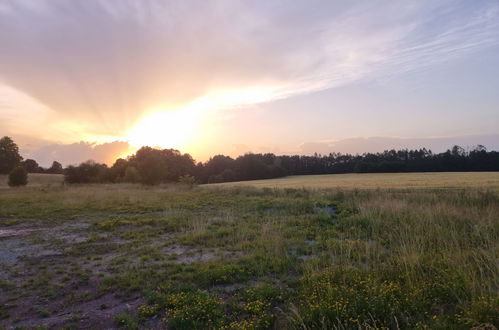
x=236 y=76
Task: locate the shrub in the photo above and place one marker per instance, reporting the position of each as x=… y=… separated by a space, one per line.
x=18 y=177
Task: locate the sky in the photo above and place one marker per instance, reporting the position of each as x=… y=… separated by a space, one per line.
x=96 y=79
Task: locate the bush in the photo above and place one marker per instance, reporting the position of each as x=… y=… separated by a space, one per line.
x=18 y=177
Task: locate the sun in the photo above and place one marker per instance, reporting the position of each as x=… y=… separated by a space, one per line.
x=179 y=128
x=166 y=129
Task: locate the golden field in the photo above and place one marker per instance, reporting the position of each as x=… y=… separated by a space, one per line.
x=378 y=181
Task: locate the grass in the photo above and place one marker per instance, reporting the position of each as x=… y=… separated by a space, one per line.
x=36 y=180
x=248 y=258
x=378 y=181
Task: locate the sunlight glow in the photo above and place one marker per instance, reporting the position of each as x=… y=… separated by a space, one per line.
x=179 y=128
x=166 y=129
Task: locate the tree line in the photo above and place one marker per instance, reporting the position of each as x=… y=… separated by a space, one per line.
x=153 y=166
x=10 y=158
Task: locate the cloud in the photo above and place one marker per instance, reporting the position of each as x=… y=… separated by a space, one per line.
x=379 y=144
x=75 y=153
x=99 y=66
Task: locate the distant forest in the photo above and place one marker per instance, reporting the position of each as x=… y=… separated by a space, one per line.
x=154 y=166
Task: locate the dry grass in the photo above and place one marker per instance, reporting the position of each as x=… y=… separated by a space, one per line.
x=378 y=180
x=182 y=257
x=36 y=180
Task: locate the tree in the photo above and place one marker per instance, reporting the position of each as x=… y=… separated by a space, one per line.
x=32 y=166
x=118 y=170
x=161 y=165
x=131 y=175
x=152 y=169
x=87 y=172
x=9 y=155
x=18 y=177
x=56 y=168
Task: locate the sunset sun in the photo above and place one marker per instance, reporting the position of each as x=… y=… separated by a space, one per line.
x=167 y=129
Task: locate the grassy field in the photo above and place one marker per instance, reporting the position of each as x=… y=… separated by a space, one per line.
x=342 y=181
x=379 y=180
x=36 y=180
x=103 y=256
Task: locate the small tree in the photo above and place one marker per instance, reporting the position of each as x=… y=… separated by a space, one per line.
x=56 y=168
x=18 y=177
x=9 y=155
x=31 y=166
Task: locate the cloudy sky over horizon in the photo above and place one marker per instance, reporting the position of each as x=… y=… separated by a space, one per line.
x=228 y=76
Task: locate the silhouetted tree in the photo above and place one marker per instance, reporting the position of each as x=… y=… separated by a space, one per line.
x=87 y=172
x=56 y=168
x=153 y=166
x=161 y=165
x=132 y=175
x=9 y=155
x=152 y=169
x=32 y=166
x=118 y=170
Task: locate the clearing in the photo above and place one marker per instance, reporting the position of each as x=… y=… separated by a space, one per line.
x=108 y=256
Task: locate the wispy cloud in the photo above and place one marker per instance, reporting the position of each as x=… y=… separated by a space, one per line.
x=103 y=64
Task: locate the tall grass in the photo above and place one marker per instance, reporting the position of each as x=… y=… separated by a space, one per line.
x=280 y=258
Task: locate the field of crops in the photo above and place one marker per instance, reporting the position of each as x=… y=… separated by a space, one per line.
x=104 y=256
x=379 y=180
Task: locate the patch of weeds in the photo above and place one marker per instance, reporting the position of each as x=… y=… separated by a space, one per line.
x=253 y=308
x=194 y=310
x=4 y=313
x=482 y=310
x=42 y=312
x=126 y=321
x=5 y=285
x=356 y=226
x=115 y=223
x=9 y=222
x=216 y=272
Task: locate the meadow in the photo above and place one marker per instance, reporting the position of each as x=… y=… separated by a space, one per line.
x=36 y=180
x=233 y=257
